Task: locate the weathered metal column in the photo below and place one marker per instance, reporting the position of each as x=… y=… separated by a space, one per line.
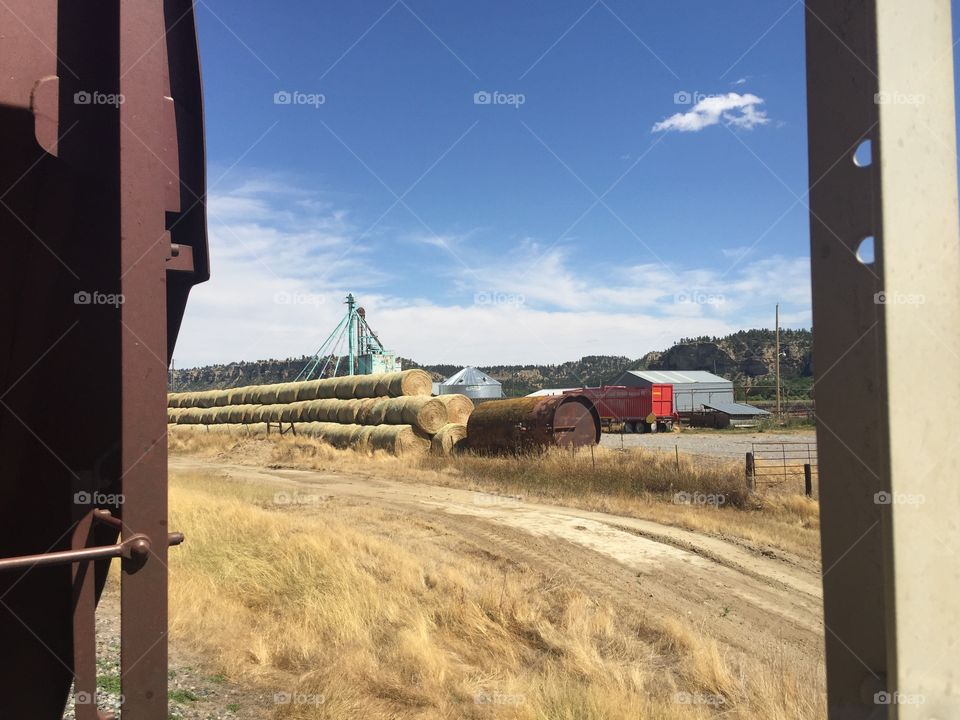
x=885 y=256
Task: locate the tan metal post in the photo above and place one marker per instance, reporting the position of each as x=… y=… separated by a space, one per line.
x=882 y=70
x=920 y=324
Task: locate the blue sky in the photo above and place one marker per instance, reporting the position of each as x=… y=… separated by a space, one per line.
x=637 y=176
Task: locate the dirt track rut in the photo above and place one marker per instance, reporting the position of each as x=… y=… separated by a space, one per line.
x=748 y=602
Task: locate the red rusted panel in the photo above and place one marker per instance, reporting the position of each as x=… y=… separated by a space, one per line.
x=88 y=214
x=618 y=403
x=523 y=424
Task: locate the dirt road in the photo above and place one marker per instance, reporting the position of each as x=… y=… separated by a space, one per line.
x=758 y=605
x=725 y=445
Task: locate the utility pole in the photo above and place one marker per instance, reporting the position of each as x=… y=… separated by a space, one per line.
x=777 y=363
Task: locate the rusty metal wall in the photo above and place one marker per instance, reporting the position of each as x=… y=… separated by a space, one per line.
x=78 y=395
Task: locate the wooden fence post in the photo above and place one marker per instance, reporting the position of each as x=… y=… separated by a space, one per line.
x=750 y=473
x=808 y=480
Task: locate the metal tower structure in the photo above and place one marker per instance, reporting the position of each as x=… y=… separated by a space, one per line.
x=365 y=353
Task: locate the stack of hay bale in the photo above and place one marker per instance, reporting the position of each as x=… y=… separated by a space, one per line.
x=392 y=411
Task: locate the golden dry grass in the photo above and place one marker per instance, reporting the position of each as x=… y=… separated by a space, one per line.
x=356 y=613
x=633 y=483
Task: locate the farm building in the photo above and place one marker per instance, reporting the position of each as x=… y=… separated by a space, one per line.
x=473 y=383
x=695 y=391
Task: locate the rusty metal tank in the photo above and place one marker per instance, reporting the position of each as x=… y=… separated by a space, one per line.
x=533 y=423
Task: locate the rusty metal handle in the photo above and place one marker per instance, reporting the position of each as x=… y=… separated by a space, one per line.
x=134 y=546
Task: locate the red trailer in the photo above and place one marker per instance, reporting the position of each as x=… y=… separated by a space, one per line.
x=636 y=409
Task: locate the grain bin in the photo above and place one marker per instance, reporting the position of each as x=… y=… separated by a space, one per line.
x=533 y=423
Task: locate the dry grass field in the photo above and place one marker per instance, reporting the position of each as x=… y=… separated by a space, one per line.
x=353 y=610
x=634 y=483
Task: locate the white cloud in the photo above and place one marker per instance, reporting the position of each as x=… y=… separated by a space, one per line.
x=279 y=276
x=731 y=108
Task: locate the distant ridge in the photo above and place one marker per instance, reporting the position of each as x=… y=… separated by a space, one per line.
x=746 y=356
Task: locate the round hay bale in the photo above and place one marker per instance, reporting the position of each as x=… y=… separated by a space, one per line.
x=327 y=388
x=293 y=412
x=346 y=387
x=398 y=440
x=250 y=413
x=444 y=442
x=268 y=394
x=334 y=434
x=377 y=412
x=235 y=396
x=190 y=416
x=272 y=413
x=208 y=416
x=308 y=390
x=174 y=399
x=360 y=440
x=287 y=392
x=424 y=413
x=234 y=414
x=319 y=411
x=205 y=399
x=366 y=386
x=407 y=383
x=221 y=398
x=459 y=408
x=220 y=415
x=364 y=407
x=347 y=411
x=173 y=414
x=250 y=395
x=383 y=384
x=394 y=413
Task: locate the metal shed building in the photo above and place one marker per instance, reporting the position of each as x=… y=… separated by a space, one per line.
x=473 y=383
x=692 y=389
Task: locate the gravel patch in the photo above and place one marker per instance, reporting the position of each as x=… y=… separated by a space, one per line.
x=717 y=445
x=193 y=694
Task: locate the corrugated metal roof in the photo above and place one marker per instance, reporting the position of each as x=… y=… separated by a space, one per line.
x=678 y=376
x=550 y=391
x=735 y=408
x=470 y=376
